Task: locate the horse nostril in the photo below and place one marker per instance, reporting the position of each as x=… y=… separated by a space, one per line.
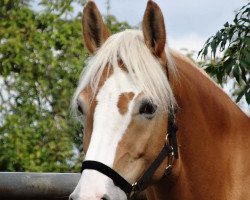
x=105 y=197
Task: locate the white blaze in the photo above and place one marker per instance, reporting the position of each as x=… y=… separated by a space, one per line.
x=108 y=129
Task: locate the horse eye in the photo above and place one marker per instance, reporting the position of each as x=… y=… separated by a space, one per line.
x=147 y=108
x=79 y=108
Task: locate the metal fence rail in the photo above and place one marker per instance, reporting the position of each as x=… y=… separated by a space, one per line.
x=46 y=186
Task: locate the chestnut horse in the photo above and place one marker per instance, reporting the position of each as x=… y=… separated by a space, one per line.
x=133 y=93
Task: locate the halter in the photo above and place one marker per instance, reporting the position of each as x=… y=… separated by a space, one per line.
x=169 y=149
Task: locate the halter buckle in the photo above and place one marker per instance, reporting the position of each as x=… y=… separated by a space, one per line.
x=169 y=168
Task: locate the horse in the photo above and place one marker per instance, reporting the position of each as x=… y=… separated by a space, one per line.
x=154 y=121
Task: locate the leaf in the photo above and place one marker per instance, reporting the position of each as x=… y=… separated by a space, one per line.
x=245 y=65
x=243 y=73
x=223 y=43
x=219 y=76
x=226 y=24
x=240 y=95
x=236 y=73
x=247 y=40
x=210 y=69
x=219 y=34
x=247 y=95
x=213 y=47
x=228 y=65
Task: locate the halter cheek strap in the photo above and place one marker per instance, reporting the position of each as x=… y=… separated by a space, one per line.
x=170 y=149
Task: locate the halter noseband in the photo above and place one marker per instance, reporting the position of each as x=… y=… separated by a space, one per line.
x=170 y=149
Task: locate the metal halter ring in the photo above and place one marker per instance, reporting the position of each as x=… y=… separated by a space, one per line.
x=168 y=169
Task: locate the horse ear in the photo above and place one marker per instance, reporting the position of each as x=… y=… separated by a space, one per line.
x=95 y=32
x=154 y=29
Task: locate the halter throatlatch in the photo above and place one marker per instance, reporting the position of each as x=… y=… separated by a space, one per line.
x=169 y=149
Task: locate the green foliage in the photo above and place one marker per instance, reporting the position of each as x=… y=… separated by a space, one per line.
x=41 y=57
x=234 y=40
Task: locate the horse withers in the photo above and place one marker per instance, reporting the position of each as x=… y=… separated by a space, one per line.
x=134 y=93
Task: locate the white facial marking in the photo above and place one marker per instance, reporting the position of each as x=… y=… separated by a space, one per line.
x=108 y=129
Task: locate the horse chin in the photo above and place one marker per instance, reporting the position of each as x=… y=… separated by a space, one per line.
x=96 y=186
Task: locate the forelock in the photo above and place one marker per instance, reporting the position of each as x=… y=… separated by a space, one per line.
x=145 y=69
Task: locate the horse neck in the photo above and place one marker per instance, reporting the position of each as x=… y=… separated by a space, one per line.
x=213 y=137
x=204 y=106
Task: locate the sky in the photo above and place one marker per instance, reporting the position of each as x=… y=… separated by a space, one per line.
x=189 y=23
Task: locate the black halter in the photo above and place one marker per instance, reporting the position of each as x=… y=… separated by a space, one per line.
x=170 y=149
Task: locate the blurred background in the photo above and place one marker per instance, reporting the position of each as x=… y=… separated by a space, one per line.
x=42 y=56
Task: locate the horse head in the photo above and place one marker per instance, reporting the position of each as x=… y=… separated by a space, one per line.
x=126 y=98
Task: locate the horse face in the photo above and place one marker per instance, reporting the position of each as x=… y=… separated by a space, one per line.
x=125 y=128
